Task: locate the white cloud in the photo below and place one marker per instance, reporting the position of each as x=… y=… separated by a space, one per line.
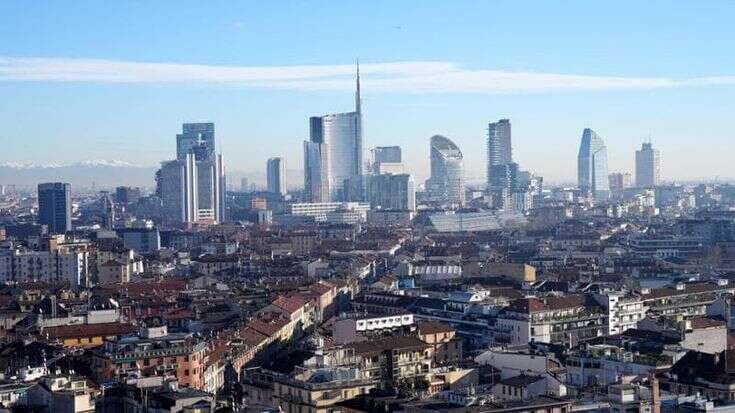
x=409 y=77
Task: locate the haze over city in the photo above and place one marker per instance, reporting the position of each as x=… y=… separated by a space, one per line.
x=90 y=82
x=357 y=207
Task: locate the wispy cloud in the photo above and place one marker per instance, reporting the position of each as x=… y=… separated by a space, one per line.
x=408 y=76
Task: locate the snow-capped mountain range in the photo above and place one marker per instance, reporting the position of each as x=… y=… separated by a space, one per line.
x=100 y=173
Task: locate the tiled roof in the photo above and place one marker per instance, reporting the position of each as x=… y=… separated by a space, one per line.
x=689 y=288
x=434 y=327
x=268 y=323
x=520 y=380
x=390 y=343
x=290 y=304
x=707 y=322
x=86 y=330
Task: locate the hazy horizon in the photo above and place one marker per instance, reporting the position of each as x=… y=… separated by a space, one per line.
x=88 y=82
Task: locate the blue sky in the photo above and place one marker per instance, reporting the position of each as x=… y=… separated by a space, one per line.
x=76 y=86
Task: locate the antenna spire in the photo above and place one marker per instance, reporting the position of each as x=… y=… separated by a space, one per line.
x=357 y=91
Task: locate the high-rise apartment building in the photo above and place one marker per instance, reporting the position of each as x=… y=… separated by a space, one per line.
x=54 y=206
x=647 y=166
x=592 y=176
x=505 y=176
x=335 y=150
x=499 y=148
x=446 y=184
x=276 y=176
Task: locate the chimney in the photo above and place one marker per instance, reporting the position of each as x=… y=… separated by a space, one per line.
x=655 y=394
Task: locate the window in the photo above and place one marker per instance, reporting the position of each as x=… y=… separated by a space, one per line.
x=186 y=372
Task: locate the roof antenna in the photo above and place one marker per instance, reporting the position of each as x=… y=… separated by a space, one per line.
x=358 y=99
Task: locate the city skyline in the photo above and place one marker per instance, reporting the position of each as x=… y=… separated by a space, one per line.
x=617 y=79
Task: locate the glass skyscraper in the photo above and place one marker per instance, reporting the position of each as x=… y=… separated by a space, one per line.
x=276 y=176
x=339 y=154
x=446 y=184
x=499 y=149
x=54 y=206
x=592 y=176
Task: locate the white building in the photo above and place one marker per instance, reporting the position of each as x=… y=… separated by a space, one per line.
x=624 y=311
x=320 y=210
x=21 y=265
x=356 y=327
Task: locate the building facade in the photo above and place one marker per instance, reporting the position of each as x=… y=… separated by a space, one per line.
x=647 y=166
x=333 y=156
x=446 y=184
x=54 y=206
x=389 y=191
x=499 y=150
x=192 y=187
x=592 y=176
x=276 y=176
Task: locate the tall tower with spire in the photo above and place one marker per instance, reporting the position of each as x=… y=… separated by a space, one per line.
x=358 y=98
x=333 y=156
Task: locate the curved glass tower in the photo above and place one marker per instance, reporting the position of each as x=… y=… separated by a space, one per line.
x=592 y=176
x=446 y=184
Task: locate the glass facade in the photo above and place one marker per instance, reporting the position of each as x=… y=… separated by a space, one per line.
x=592 y=176
x=195 y=135
x=446 y=184
x=499 y=149
x=342 y=134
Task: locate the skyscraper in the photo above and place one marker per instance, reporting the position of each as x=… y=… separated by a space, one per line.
x=505 y=176
x=339 y=137
x=592 y=176
x=499 y=149
x=195 y=135
x=192 y=187
x=386 y=159
x=316 y=179
x=446 y=184
x=54 y=206
x=386 y=154
x=177 y=187
x=619 y=181
x=647 y=166
x=392 y=191
x=276 y=176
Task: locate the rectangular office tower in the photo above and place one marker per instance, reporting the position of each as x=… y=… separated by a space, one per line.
x=54 y=206
x=192 y=187
x=196 y=137
x=647 y=166
x=276 y=176
x=386 y=159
